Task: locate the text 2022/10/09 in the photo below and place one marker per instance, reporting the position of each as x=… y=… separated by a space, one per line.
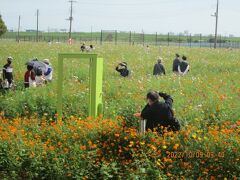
x=194 y=154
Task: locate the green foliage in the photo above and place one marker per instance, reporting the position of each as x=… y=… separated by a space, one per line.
x=207 y=95
x=3 y=27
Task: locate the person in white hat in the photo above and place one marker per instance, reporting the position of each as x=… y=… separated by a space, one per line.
x=8 y=74
x=49 y=70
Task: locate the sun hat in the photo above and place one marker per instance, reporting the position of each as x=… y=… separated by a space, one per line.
x=46 y=61
x=123 y=64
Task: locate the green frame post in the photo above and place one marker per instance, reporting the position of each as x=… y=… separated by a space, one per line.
x=96 y=78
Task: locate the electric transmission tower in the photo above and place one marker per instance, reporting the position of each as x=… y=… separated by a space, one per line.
x=70 y=19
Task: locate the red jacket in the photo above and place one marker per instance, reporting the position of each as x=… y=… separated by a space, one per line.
x=29 y=74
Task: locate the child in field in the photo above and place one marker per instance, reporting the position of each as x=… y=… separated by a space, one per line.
x=183 y=67
x=29 y=77
x=159 y=68
x=122 y=69
x=8 y=74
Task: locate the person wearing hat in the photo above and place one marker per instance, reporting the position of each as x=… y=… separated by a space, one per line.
x=158 y=114
x=8 y=74
x=183 y=67
x=159 y=68
x=176 y=63
x=49 y=70
x=122 y=69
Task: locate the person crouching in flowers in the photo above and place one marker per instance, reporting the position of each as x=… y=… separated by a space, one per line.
x=158 y=114
x=123 y=69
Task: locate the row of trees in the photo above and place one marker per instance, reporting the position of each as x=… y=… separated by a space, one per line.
x=3 y=27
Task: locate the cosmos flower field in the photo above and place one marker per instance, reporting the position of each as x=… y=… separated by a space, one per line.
x=34 y=145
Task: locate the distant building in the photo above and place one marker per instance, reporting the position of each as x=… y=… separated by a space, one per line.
x=31 y=30
x=63 y=30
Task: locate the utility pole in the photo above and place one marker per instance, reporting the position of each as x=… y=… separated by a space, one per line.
x=19 y=23
x=71 y=19
x=216 y=25
x=37 y=25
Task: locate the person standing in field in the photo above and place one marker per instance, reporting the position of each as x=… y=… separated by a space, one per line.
x=49 y=70
x=8 y=74
x=176 y=63
x=183 y=67
x=123 y=69
x=159 y=68
x=158 y=114
x=29 y=77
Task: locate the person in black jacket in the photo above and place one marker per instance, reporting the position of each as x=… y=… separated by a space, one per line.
x=122 y=69
x=176 y=63
x=83 y=47
x=183 y=67
x=159 y=68
x=159 y=114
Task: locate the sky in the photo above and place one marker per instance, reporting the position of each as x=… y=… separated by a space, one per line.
x=150 y=16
